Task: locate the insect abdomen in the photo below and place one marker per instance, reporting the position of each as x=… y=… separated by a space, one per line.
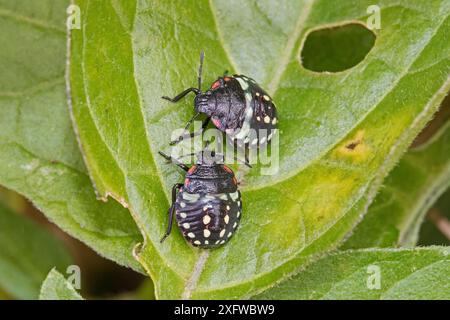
x=208 y=220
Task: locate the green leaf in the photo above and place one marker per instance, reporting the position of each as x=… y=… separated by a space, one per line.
x=340 y=133
x=39 y=156
x=56 y=287
x=395 y=217
x=352 y=274
x=27 y=253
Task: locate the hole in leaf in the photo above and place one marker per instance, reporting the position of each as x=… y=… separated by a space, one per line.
x=337 y=48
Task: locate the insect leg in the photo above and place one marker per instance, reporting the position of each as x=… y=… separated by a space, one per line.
x=181 y=95
x=192 y=134
x=171 y=211
x=174 y=161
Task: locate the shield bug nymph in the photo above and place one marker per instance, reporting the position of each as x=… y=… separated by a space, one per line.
x=236 y=105
x=208 y=205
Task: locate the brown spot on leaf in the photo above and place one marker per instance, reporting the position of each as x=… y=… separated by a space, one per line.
x=354 y=147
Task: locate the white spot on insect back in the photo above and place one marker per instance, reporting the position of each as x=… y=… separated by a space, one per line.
x=182 y=204
x=266 y=119
x=217 y=242
x=238 y=214
x=226 y=219
x=183 y=215
x=228 y=208
x=206 y=242
x=230 y=234
x=235 y=225
x=206 y=219
x=186 y=225
x=258 y=118
x=274 y=120
x=191 y=235
x=266 y=97
x=206 y=233
x=257 y=94
x=222 y=242
x=197 y=242
x=221 y=234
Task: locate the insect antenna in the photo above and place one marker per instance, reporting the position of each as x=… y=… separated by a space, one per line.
x=200 y=70
x=174 y=161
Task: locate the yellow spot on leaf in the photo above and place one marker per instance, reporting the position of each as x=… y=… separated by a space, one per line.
x=354 y=148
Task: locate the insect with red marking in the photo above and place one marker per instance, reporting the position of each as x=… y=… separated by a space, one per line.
x=208 y=206
x=236 y=105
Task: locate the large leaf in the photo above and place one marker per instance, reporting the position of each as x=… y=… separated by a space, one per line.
x=340 y=133
x=39 y=156
x=403 y=274
x=56 y=287
x=411 y=189
x=27 y=253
